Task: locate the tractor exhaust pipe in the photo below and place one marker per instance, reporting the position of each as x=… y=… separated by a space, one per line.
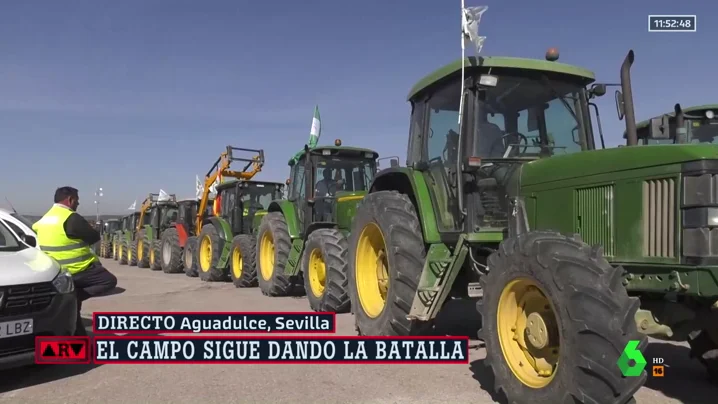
x=681 y=132
x=628 y=111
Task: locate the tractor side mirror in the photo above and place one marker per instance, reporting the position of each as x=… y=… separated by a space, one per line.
x=659 y=128
x=394 y=163
x=619 y=105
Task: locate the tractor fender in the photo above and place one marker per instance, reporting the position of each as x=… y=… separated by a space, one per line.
x=319 y=225
x=223 y=228
x=149 y=231
x=411 y=182
x=290 y=216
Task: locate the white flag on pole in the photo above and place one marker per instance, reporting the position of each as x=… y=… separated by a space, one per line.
x=198 y=187
x=163 y=196
x=133 y=206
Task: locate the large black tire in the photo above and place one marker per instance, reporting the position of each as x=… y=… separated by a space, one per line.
x=273 y=232
x=144 y=245
x=328 y=288
x=122 y=251
x=155 y=254
x=395 y=217
x=705 y=349
x=189 y=257
x=207 y=268
x=592 y=313
x=106 y=249
x=132 y=253
x=243 y=261
x=115 y=247
x=171 y=252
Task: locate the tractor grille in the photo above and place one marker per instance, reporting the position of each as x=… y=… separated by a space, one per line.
x=27 y=299
x=595 y=217
x=659 y=222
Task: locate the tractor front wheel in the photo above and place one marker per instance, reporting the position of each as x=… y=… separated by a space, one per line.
x=273 y=245
x=144 y=246
x=243 y=262
x=189 y=257
x=555 y=320
x=325 y=267
x=121 y=253
x=115 y=254
x=209 y=253
x=155 y=254
x=171 y=256
x=386 y=259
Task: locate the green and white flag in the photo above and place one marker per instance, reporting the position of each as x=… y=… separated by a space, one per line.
x=316 y=129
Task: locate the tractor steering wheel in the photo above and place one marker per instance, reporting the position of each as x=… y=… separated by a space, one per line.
x=503 y=139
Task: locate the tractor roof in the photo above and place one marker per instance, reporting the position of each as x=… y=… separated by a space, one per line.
x=501 y=62
x=232 y=182
x=111 y=220
x=698 y=108
x=336 y=150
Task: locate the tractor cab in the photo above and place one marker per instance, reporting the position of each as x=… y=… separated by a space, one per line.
x=328 y=181
x=110 y=226
x=697 y=124
x=241 y=201
x=515 y=111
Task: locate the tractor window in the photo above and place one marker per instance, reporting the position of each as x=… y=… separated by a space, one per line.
x=535 y=116
x=259 y=196
x=298 y=186
x=169 y=215
x=228 y=201
x=343 y=174
x=443 y=123
x=416 y=132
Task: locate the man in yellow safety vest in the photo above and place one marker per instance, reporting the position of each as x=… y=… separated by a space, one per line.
x=67 y=237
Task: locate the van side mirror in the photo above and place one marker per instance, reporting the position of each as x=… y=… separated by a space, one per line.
x=29 y=240
x=659 y=128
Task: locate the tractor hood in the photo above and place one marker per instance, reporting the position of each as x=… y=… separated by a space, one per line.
x=585 y=164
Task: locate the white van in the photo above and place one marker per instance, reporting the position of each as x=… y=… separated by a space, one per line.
x=36 y=297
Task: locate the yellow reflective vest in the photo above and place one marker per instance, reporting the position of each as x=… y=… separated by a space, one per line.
x=73 y=255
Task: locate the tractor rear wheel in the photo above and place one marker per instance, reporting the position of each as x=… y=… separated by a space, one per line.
x=325 y=267
x=132 y=253
x=108 y=249
x=386 y=259
x=144 y=245
x=273 y=245
x=122 y=252
x=171 y=252
x=555 y=320
x=155 y=254
x=189 y=257
x=705 y=349
x=243 y=261
x=209 y=253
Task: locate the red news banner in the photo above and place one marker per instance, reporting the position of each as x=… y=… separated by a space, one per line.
x=203 y=347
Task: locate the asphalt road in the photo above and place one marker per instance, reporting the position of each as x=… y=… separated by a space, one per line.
x=145 y=290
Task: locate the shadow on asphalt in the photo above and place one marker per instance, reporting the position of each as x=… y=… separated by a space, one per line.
x=685 y=379
x=116 y=291
x=20 y=378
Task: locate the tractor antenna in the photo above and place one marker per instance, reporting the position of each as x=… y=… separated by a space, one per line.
x=11 y=207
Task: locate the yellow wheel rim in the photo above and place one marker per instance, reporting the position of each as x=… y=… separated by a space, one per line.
x=129 y=254
x=237 y=263
x=152 y=256
x=266 y=256
x=528 y=332
x=371 y=270
x=114 y=249
x=205 y=253
x=120 y=251
x=140 y=250
x=317 y=273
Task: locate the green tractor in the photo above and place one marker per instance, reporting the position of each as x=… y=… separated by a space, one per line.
x=304 y=238
x=107 y=234
x=571 y=252
x=242 y=206
x=125 y=239
x=157 y=214
x=697 y=124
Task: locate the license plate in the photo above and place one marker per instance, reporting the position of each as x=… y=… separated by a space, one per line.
x=9 y=329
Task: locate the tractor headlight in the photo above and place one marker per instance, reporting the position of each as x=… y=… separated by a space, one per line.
x=63 y=282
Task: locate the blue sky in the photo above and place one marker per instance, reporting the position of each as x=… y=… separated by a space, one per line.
x=135 y=96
